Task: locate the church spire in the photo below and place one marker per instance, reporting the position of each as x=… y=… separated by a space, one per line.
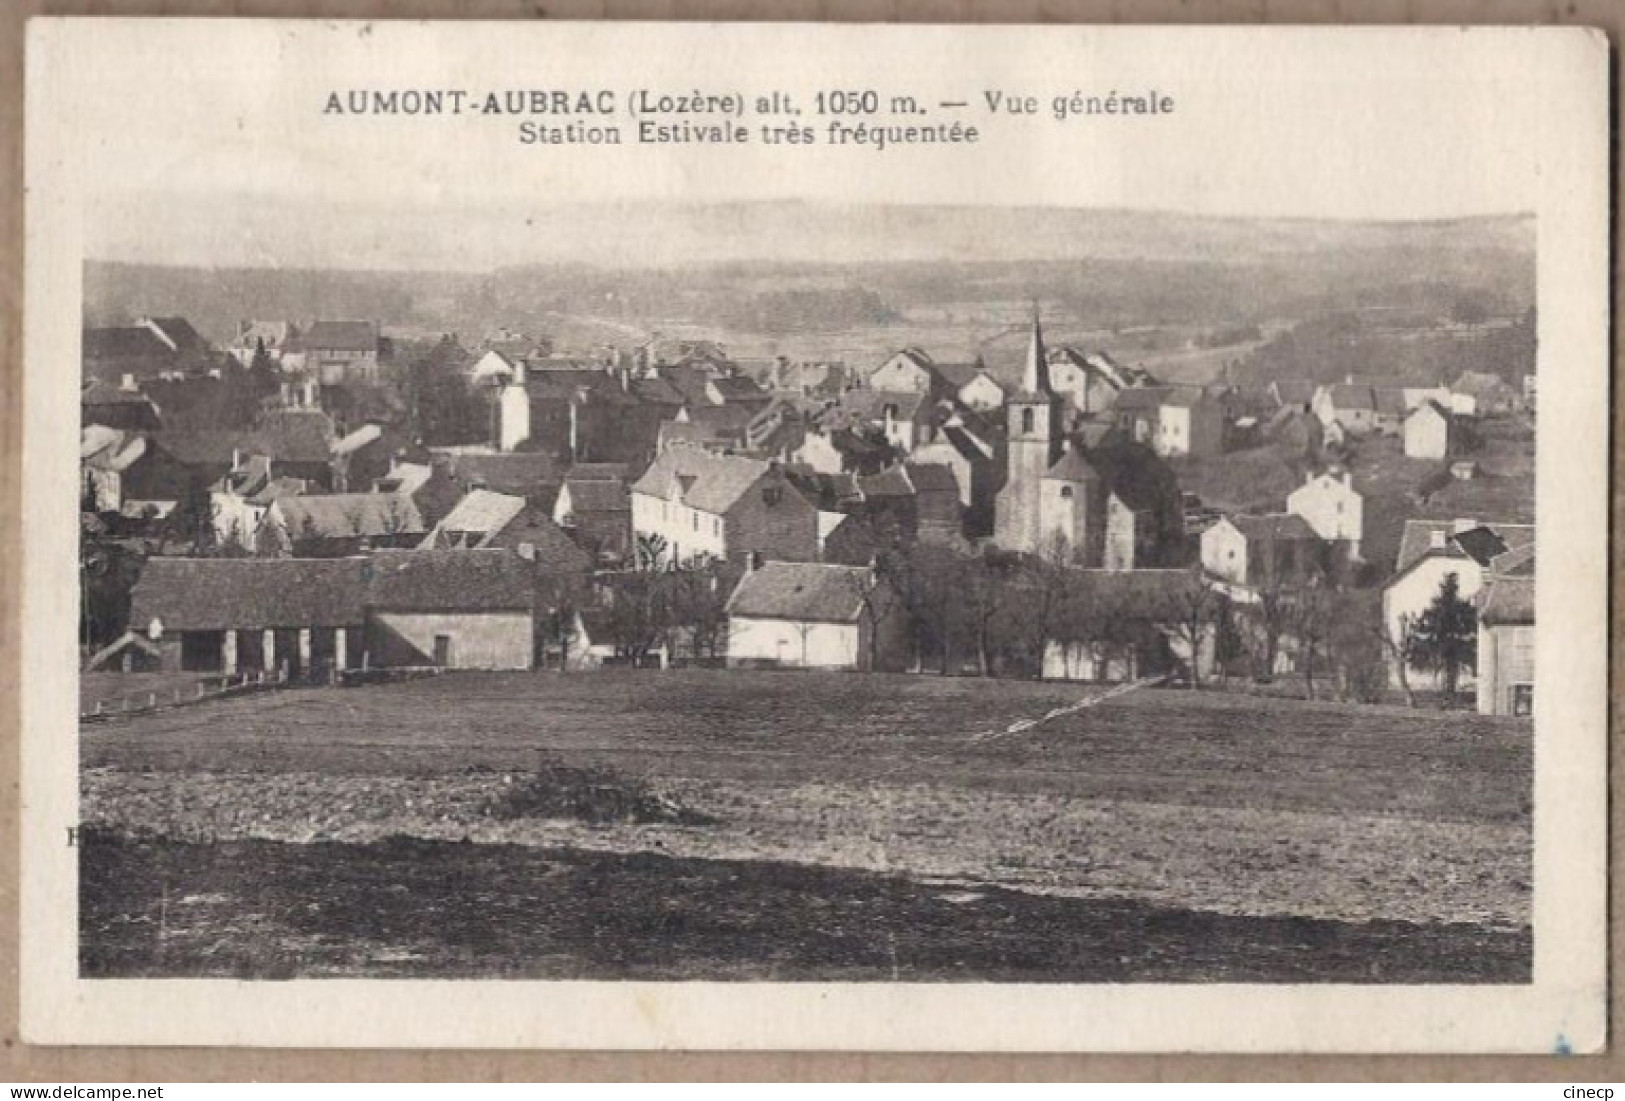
x=1035 y=373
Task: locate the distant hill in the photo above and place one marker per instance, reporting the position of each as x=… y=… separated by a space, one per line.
x=809 y=267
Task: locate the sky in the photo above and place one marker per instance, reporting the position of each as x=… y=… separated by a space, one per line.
x=230 y=160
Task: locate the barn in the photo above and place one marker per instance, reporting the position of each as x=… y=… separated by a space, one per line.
x=456 y=609
x=809 y=615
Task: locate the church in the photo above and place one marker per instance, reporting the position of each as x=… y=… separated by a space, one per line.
x=1114 y=506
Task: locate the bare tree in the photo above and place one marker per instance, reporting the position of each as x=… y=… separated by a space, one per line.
x=1313 y=609
x=1193 y=607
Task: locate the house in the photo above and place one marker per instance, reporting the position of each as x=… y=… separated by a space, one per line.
x=592 y=415
x=105 y=455
x=1295 y=394
x=938 y=514
x=493 y=367
x=807 y=615
x=329 y=525
x=971 y=451
x=335 y=351
x=1389 y=407
x=597 y=512
x=272 y=337
x=1139 y=636
x=1092 y=381
x=1188 y=422
x=1334 y=509
x=1352 y=407
x=534 y=475
x=692 y=503
x=905 y=419
x=981 y=391
x=240 y=500
x=485 y=519
x=907 y=371
x=1431 y=549
x=1255 y=551
x=454 y=609
x=1116 y=506
x=152 y=346
x=233 y=615
x=299 y=441
x=1481 y=394
x=1506 y=635
x=1432 y=432
x=117 y=407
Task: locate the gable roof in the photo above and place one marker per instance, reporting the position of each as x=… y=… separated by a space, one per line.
x=1072 y=467
x=957 y=375
x=932 y=477
x=123 y=342
x=597 y=472
x=450 y=580
x=1278 y=526
x=1345 y=396
x=340 y=336
x=293 y=435
x=803 y=591
x=349 y=515
x=178 y=331
x=718 y=481
x=1486 y=541
x=1293 y=391
x=504 y=471
x=211 y=594
x=1508 y=596
x=598 y=496
x=481 y=511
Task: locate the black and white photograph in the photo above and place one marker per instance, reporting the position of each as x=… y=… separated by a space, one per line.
x=629 y=554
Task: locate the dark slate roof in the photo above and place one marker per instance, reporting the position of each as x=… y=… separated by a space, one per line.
x=1139 y=479
x=957 y=375
x=180 y=331
x=450 y=581
x=932 y=477
x=1072 y=467
x=200 y=448
x=740 y=388
x=506 y=471
x=596 y=496
x=294 y=436
x=1417 y=541
x=340 y=336
x=1389 y=400
x=1294 y=391
x=891 y=482
x=102 y=393
x=1141 y=398
x=802 y=591
x=1508 y=597
x=1345 y=396
x=597 y=472
x=211 y=594
x=1274 y=526
x=123 y=342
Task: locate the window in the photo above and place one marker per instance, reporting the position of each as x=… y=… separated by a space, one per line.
x=772 y=495
x=1066 y=493
x=695 y=518
x=1026 y=420
x=1523 y=699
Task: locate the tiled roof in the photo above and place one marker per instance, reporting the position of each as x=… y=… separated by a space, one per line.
x=891 y=482
x=102 y=393
x=932 y=477
x=957 y=375
x=802 y=591
x=718 y=481
x=293 y=435
x=1344 y=396
x=1072 y=467
x=505 y=471
x=598 y=496
x=204 y=594
x=597 y=472
x=1508 y=597
x=349 y=515
x=1417 y=540
x=482 y=511
x=123 y=342
x=451 y=580
x=340 y=336
x=1274 y=526
x=1389 y=400
x=356 y=440
x=179 y=331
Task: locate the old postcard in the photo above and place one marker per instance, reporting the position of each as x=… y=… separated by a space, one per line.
x=815 y=536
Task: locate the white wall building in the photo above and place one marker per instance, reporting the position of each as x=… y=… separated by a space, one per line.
x=1333 y=508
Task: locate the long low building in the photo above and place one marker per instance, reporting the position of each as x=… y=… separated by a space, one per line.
x=462 y=609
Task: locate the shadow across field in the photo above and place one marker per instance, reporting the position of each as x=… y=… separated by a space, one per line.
x=419 y=909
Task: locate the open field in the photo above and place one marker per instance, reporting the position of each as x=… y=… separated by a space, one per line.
x=1199 y=808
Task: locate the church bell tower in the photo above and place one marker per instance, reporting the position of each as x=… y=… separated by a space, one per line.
x=1034 y=445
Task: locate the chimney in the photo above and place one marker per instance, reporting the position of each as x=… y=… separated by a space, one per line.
x=1437 y=539
x=527 y=551
x=127 y=383
x=1459 y=526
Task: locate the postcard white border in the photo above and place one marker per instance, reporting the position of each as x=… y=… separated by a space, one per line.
x=1563 y=128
